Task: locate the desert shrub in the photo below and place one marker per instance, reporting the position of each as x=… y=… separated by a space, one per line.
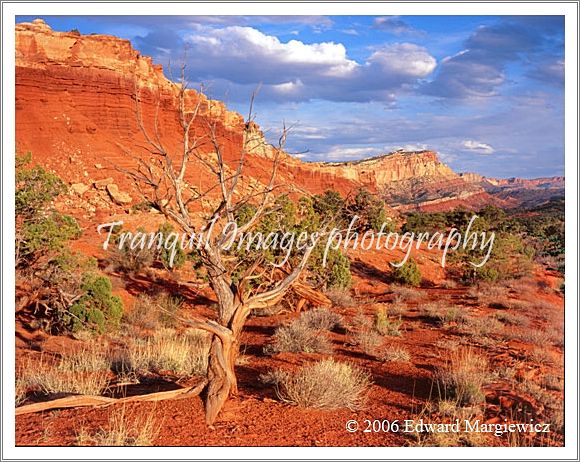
x=35 y=187
x=321 y=319
x=335 y=274
x=150 y=312
x=98 y=308
x=394 y=353
x=385 y=325
x=130 y=260
x=183 y=354
x=325 y=384
x=510 y=258
x=40 y=230
x=464 y=376
x=123 y=430
x=407 y=274
x=371 y=212
x=369 y=341
x=46 y=234
x=298 y=337
x=330 y=204
x=340 y=297
x=165 y=254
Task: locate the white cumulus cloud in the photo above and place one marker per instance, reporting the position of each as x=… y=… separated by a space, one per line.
x=477 y=146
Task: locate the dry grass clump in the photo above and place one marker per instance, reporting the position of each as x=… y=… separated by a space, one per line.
x=369 y=341
x=184 y=354
x=541 y=356
x=512 y=319
x=394 y=353
x=464 y=376
x=85 y=360
x=397 y=309
x=70 y=376
x=151 y=312
x=123 y=430
x=407 y=294
x=385 y=325
x=553 y=382
x=480 y=327
x=340 y=297
x=321 y=319
x=432 y=311
x=451 y=344
x=298 y=337
x=449 y=411
x=530 y=335
x=20 y=389
x=326 y=384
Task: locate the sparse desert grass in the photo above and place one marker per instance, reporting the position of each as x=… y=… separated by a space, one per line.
x=541 y=356
x=123 y=430
x=90 y=359
x=340 y=297
x=397 y=309
x=531 y=335
x=394 y=353
x=451 y=314
x=407 y=294
x=386 y=325
x=552 y=382
x=431 y=311
x=505 y=373
x=442 y=313
x=20 y=389
x=326 y=384
x=72 y=377
x=464 y=376
x=553 y=405
x=480 y=326
x=369 y=341
x=450 y=344
x=512 y=319
x=555 y=336
x=298 y=337
x=449 y=411
x=521 y=286
x=151 y=312
x=321 y=319
x=184 y=354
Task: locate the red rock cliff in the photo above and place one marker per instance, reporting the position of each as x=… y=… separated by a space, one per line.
x=75 y=111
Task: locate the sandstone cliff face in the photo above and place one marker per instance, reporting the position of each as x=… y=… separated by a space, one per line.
x=76 y=112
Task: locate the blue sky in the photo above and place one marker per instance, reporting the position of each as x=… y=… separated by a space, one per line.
x=486 y=92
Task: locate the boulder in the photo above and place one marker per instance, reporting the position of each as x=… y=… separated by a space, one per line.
x=79 y=188
x=119 y=197
x=102 y=184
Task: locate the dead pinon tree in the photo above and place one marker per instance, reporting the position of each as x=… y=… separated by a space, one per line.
x=162 y=182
